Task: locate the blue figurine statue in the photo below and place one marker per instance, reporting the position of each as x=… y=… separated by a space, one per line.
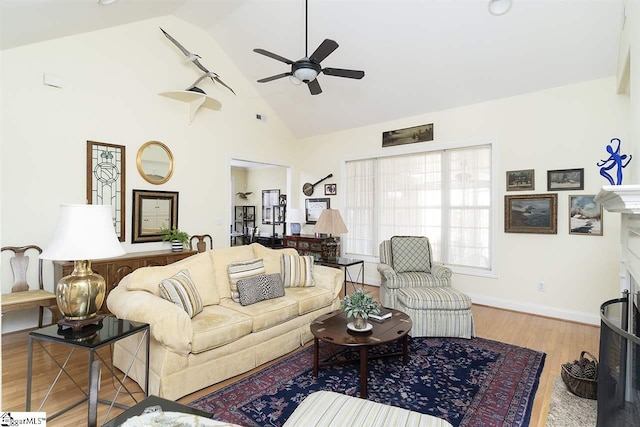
x=614 y=160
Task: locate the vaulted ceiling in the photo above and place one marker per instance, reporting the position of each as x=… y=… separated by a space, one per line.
x=419 y=55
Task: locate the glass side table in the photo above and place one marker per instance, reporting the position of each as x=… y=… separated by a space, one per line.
x=154 y=404
x=345 y=263
x=91 y=338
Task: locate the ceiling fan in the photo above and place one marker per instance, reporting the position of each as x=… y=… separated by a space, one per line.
x=306 y=70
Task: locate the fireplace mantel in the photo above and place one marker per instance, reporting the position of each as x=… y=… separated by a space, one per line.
x=620 y=198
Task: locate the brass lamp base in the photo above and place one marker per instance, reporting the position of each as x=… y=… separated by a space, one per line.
x=81 y=294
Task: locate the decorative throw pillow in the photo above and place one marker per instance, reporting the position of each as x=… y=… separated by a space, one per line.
x=259 y=288
x=296 y=271
x=180 y=290
x=240 y=270
x=410 y=254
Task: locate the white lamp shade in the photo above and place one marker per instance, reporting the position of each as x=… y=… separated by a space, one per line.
x=330 y=222
x=305 y=74
x=85 y=232
x=499 y=7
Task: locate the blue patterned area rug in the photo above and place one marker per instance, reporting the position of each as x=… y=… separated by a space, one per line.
x=475 y=382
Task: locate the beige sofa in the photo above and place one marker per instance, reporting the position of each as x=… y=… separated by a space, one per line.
x=226 y=338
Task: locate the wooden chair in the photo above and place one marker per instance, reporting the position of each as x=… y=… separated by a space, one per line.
x=22 y=296
x=201 y=246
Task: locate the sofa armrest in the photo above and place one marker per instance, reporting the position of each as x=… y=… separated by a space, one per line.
x=441 y=271
x=386 y=271
x=328 y=278
x=170 y=325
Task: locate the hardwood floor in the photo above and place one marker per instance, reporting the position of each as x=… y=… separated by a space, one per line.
x=562 y=341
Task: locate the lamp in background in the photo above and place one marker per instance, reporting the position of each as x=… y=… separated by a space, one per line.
x=499 y=7
x=294 y=216
x=330 y=222
x=84 y=233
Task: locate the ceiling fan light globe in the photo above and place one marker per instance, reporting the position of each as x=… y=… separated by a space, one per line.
x=295 y=80
x=305 y=75
x=499 y=7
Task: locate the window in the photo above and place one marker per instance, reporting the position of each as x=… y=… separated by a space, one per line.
x=444 y=195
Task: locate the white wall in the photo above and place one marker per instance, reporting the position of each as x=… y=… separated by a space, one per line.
x=561 y=128
x=111 y=80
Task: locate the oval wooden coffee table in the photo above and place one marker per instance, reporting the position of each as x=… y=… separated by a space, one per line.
x=332 y=328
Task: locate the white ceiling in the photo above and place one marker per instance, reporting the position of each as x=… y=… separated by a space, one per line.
x=419 y=55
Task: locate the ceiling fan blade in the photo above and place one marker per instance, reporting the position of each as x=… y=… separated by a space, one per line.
x=273 y=55
x=277 y=76
x=314 y=87
x=325 y=49
x=340 y=72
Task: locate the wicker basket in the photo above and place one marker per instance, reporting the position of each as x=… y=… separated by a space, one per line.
x=579 y=385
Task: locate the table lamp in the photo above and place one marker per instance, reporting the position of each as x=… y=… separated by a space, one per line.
x=84 y=233
x=330 y=222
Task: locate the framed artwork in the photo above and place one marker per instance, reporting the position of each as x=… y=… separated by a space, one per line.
x=270 y=206
x=330 y=189
x=521 y=180
x=314 y=207
x=106 y=180
x=533 y=213
x=407 y=135
x=565 y=179
x=585 y=215
x=152 y=212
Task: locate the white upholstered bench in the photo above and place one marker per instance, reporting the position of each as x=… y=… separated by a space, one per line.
x=329 y=409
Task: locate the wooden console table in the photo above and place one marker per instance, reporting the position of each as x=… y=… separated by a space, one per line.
x=114 y=269
x=308 y=244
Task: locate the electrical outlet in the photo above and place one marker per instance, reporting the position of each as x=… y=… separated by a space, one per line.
x=540 y=286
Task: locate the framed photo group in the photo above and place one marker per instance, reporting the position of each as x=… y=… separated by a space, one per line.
x=538 y=213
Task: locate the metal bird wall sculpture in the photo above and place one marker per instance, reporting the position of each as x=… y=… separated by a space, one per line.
x=244 y=195
x=195 y=59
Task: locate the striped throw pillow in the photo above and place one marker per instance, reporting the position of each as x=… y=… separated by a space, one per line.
x=180 y=290
x=241 y=270
x=296 y=271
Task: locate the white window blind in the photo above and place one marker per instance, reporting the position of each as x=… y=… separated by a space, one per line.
x=444 y=195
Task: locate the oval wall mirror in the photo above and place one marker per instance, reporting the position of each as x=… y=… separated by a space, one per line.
x=155 y=162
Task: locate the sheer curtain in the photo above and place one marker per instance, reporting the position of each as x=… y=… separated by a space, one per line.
x=444 y=195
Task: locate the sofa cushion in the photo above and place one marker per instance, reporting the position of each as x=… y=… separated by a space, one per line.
x=259 y=288
x=200 y=269
x=216 y=326
x=180 y=290
x=266 y=314
x=221 y=258
x=241 y=270
x=310 y=299
x=297 y=271
x=410 y=253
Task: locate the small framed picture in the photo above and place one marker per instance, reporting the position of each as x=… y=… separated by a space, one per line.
x=521 y=180
x=533 y=213
x=330 y=189
x=585 y=215
x=565 y=179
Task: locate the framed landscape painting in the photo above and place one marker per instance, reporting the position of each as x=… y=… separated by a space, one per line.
x=565 y=179
x=533 y=213
x=585 y=215
x=521 y=180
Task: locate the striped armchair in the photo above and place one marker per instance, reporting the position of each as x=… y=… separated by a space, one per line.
x=412 y=283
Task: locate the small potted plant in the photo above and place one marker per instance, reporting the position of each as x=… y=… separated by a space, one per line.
x=177 y=238
x=359 y=305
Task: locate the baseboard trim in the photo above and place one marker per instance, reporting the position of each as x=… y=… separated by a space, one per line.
x=540 y=310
